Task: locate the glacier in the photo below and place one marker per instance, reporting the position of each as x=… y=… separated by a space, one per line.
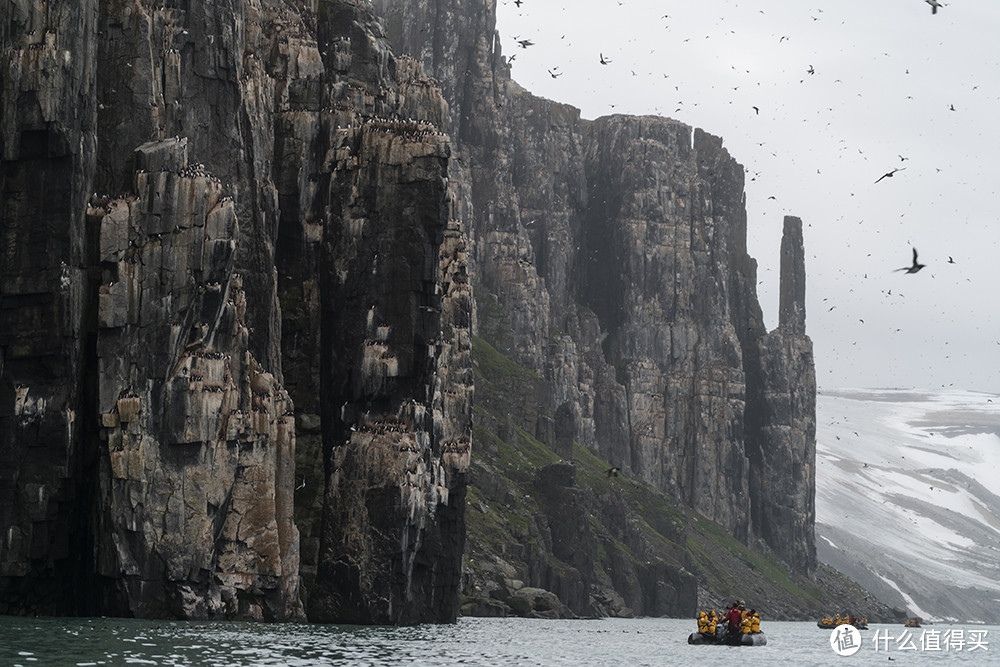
x=908 y=497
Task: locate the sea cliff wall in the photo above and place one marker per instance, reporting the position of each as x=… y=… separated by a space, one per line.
x=615 y=253
x=240 y=241
x=277 y=189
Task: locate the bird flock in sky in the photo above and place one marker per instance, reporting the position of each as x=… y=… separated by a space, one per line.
x=873 y=127
x=811 y=70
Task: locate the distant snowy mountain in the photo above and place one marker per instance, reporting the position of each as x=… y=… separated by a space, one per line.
x=908 y=497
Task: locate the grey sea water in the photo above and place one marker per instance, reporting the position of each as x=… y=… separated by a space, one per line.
x=86 y=642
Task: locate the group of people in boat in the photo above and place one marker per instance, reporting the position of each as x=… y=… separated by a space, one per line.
x=738 y=620
x=846 y=619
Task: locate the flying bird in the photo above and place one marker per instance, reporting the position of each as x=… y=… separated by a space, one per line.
x=889 y=174
x=913 y=268
x=604 y=61
x=525 y=43
x=554 y=74
x=934 y=5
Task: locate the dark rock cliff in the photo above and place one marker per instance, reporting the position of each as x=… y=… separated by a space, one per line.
x=549 y=523
x=781 y=439
x=276 y=255
x=613 y=254
x=240 y=239
x=47 y=358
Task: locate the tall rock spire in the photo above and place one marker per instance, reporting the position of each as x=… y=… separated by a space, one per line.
x=792 y=305
x=781 y=432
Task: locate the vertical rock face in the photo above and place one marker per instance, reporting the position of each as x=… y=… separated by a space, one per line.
x=239 y=243
x=792 y=296
x=279 y=234
x=658 y=258
x=395 y=345
x=198 y=438
x=782 y=442
x=47 y=144
x=165 y=489
x=372 y=265
x=616 y=253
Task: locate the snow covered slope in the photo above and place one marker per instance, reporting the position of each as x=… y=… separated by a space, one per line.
x=908 y=497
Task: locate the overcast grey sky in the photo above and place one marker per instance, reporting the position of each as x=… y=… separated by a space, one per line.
x=892 y=87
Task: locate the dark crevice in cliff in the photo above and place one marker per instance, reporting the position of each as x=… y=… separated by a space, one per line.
x=603 y=281
x=91 y=592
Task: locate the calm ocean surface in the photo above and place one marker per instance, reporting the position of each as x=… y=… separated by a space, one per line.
x=472 y=641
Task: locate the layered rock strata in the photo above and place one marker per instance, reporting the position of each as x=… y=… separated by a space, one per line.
x=48 y=145
x=782 y=440
x=285 y=208
x=263 y=330
x=197 y=451
x=616 y=252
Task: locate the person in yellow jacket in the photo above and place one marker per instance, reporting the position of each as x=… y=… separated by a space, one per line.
x=702 y=622
x=754 y=621
x=712 y=622
x=745 y=624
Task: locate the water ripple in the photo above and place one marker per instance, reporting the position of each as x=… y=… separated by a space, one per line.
x=517 y=642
